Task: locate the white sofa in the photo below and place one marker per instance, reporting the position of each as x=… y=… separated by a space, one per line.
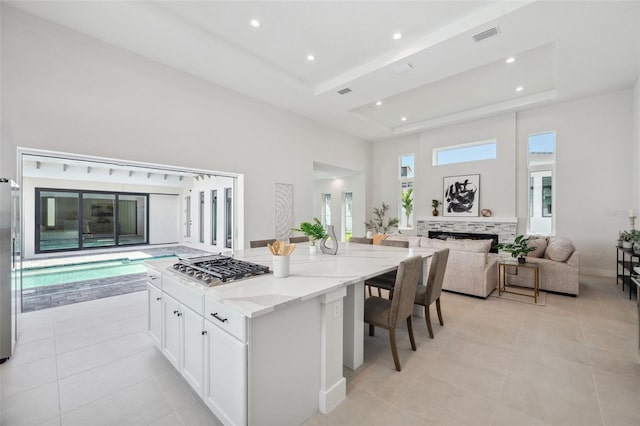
x=559 y=266
x=471 y=269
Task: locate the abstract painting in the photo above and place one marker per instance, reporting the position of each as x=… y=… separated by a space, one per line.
x=461 y=195
x=284 y=210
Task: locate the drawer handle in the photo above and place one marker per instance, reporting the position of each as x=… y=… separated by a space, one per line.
x=158 y=298
x=175 y=312
x=215 y=315
x=204 y=332
x=179 y=314
x=153 y=278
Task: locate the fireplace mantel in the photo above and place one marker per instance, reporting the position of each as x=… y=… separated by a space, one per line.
x=504 y=227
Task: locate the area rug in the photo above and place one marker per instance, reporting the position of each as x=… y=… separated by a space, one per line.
x=542 y=297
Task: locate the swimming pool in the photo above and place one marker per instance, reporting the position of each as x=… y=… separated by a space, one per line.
x=64 y=274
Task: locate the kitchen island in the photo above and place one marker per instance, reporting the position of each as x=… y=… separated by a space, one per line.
x=268 y=350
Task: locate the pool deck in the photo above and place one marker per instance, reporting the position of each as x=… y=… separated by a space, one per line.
x=37 y=298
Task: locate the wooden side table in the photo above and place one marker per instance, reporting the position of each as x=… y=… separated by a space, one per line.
x=502 y=281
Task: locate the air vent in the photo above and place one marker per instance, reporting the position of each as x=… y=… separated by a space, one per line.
x=344 y=91
x=486 y=34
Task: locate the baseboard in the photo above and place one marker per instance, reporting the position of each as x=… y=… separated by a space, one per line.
x=333 y=396
x=598 y=272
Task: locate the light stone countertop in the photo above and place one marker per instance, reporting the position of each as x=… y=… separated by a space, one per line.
x=311 y=275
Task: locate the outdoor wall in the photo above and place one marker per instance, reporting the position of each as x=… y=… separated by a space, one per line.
x=157 y=226
x=594 y=169
x=337 y=188
x=64 y=91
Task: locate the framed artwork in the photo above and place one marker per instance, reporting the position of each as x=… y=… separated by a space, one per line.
x=461 y=195
x=284 y=210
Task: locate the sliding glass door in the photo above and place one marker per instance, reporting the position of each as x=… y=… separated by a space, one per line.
x=75 y=220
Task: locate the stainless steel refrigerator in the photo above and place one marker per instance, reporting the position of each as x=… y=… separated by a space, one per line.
x=10 y=266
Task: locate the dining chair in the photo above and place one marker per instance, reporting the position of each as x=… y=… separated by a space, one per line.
x=361 y=240
x=385 y=281
x=385 y=313
x=260 y=243
x=430 y=292
x=303 y=239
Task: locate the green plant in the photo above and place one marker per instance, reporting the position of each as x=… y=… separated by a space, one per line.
x=634 y=236
x=377 y=223
x=407 y=203
x=315 y=231
x=623 y=236
x=435 y=203
x=518 y=248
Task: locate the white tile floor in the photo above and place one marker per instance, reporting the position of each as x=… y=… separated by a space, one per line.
x=495 y=362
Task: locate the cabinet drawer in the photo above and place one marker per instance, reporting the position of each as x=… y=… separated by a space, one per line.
x=226 y=318
x=154 y=278
x=189 y=297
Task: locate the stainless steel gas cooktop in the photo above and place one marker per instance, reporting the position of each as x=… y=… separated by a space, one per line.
x=218 y=269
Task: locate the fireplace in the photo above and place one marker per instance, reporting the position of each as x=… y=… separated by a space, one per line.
x=445 y=235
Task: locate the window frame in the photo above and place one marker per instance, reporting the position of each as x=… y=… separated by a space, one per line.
x=530 y=194
x=403 y=183
x=435 y=151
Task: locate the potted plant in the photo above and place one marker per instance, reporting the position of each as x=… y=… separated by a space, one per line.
x=634 y=237
x=377 y=224
x=435 y=204
x=314 y=230
x=519 y=248
x=620 y=238
x=626 y=239
x=407 y=204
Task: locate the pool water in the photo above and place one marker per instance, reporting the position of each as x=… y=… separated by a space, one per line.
x=64 y=274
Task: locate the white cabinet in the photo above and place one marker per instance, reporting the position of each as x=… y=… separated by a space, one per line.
x=225 y=391
x=192 y=365
x=154 y=296
x=171 y=334
x=183 y=341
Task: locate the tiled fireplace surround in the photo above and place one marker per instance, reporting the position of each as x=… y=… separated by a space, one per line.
x=505 y=228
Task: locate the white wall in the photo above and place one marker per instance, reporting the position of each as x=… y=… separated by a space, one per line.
x=594 y=169
x=64 y=91
x=497 y=191
x=337 y=188
x=161 y=235
x=636 y=146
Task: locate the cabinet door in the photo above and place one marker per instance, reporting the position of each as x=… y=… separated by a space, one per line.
x=192 y=367
x=154 y=296
x=172 y=335
x=226 y=383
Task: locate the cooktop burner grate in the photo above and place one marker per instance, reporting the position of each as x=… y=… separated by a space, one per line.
x=218 y=269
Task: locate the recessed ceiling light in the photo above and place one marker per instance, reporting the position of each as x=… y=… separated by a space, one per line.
x=397 y=36
x=519 y=89
x=378 y=103
x=403 y=119
x=254 y=23
x=510 y=60
x=311 y=58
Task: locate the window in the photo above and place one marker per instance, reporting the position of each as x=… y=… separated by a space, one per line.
x=475 y=151
x=541 y=164
x=187 y=215
x=228 y=217
x=406 y=190
x=214 y=217
x=348 y=215
x=74 y=219
x=201 y=218
x=326 y=209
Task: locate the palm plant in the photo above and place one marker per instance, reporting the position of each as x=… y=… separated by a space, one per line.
x=407 y=203
x=315 y=231
x=377 y=223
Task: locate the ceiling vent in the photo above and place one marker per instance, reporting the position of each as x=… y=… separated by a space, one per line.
x=486 y=34
x=344 y=91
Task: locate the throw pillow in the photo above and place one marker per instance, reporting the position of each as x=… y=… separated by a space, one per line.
x=540 y=244
x=559 y=249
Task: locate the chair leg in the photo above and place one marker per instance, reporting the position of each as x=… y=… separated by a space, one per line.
x=427 y=318
x=410 y=329
x=394 y=348
x=379 y=292
x=369 y=287
x=439 y=311
x=372 y=330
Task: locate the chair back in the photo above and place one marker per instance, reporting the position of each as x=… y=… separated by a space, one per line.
x=304 y=239
x=404 y=290
x=361 y=240
x=395 y=243
x=436 y=275
x=260 y=243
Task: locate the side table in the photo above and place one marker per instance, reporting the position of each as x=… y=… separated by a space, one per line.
x=503 y=287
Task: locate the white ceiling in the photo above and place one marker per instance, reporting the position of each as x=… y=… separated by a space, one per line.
x=563 y=50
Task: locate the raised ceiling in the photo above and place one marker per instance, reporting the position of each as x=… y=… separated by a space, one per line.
x=435 y=75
